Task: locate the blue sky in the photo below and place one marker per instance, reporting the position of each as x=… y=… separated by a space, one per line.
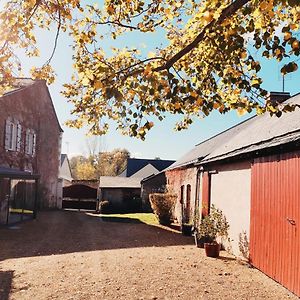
x=162 y=141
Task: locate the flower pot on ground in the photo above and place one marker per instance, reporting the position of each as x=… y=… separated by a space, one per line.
x=212 y=249
x=186 y=229
x=199 y=241
x=213 y=226
x=163 y=205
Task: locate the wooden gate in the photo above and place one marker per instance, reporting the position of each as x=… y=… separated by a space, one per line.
x=275 y=218
x=79 y=196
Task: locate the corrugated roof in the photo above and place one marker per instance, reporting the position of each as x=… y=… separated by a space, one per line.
x=256 y=133
x=204 y=148
x=119 y=182
x=263 y=132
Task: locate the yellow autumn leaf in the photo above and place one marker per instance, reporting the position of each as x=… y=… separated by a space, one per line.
x=241 y=111
x=98 y=85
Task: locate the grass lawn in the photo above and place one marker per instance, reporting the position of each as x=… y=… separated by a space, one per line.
x=148 y=218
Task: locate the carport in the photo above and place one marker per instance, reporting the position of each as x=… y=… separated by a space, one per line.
x=18 y=196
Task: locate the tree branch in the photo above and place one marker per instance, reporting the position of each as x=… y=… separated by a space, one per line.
x=56 y=37
x=227 y=12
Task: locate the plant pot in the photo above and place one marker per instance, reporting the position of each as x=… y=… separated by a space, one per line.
x=212 y=249
x=200 y=241
x=186 y=229
x=164 y=220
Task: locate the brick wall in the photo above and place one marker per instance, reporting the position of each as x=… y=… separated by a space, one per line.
x=33 y=108
x=175 y=180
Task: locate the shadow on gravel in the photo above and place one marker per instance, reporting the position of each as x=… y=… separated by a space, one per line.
x=120 y=220
x=5 y=284
x=60 y=232
x=226 y=258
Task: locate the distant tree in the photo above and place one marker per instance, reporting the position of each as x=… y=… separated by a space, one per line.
x=102 y=164
x=112 y=163
x=74 y=162
x=85 y=171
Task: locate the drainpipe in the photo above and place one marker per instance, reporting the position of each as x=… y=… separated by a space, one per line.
x=197 y=195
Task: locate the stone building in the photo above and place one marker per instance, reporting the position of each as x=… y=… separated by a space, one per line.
x=30 y=137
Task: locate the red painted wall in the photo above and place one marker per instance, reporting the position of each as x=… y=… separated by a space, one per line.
x=205 y=194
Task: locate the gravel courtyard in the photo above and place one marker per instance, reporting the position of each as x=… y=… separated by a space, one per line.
x=76 y=255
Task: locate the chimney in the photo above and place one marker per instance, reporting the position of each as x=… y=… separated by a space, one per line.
x=278 y=97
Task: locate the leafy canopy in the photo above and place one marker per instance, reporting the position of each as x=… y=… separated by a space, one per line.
x=210 y=60
x=99 y=164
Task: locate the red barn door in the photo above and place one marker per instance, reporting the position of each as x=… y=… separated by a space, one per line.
x=275 y=218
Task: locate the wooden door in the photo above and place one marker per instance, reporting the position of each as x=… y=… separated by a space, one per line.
x=275 y=218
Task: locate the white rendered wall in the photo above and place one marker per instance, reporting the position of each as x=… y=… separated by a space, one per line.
x=231 y=192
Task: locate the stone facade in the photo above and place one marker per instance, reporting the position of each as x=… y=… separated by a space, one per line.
x=31 y=107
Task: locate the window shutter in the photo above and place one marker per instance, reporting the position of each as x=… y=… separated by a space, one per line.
x=27 y=137
x=33 y=144
x=14 y=137
x=7 y=135
x=19 y=136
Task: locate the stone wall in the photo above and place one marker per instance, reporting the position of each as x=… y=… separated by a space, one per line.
x=32 y=107
x=178 y=178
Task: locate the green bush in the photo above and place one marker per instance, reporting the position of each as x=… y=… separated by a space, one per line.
x=163 y=206
x=214 y=225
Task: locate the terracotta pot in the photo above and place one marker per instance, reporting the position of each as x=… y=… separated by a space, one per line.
x=212 y=249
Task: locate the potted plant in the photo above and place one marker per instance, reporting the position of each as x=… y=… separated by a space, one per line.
x=186 y=229
x=211 y=228
x=186 y=224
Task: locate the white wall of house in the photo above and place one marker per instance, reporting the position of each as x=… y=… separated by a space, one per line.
x=231 y=192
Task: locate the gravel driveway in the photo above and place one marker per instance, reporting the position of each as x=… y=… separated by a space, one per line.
x=75 y=255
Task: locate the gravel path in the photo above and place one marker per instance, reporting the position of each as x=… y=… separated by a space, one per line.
x=74 y=255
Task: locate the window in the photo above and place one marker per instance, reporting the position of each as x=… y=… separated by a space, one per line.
x=13 y=135
x=188 y=203
x=30 y=142
x=182 y=194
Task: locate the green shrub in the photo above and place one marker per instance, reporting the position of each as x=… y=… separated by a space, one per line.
x=163 y=206
x=214 y=225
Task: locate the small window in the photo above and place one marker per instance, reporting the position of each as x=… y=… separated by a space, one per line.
x=182 y=194
x=30 y=142
x=10 y=135
x=188 y=203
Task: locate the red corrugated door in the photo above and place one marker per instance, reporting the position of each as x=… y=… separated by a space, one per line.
x=275 y=218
